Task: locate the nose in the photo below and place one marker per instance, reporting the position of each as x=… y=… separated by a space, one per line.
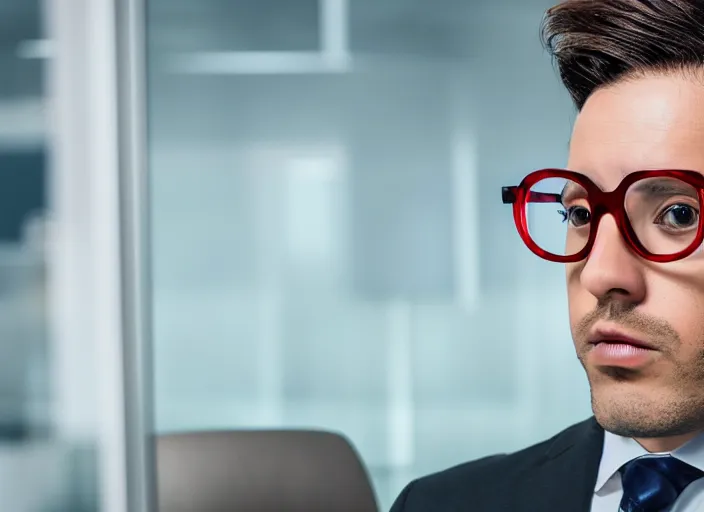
x=612 y=269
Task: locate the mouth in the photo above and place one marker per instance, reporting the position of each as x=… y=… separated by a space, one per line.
x=617 y=338
x=613 y=348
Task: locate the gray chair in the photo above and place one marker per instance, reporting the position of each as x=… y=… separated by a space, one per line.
x=261 y=471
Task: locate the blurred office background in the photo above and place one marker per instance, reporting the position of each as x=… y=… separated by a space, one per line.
x=32 y=458
x=329 y=244
x=47 y=444
x=329 y=248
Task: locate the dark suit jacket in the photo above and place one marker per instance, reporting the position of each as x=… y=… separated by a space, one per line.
x=557 y=475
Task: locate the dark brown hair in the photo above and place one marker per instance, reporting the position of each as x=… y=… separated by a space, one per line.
x=595 y=43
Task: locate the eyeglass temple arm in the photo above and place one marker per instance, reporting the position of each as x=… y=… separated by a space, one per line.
x=508 y=196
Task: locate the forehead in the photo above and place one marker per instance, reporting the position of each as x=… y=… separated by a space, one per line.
x=651 y=122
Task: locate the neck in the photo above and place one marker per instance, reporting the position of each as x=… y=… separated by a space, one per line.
x=665 y=444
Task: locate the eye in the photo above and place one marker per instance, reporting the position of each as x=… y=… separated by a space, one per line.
x=577 y=216
x=679 y=216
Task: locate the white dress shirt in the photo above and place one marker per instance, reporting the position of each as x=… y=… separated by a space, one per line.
x=620 y=450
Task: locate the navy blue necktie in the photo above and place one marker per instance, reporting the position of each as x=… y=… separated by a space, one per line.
x=651 y=484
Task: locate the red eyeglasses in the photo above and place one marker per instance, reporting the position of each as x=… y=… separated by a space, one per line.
x=557 y=213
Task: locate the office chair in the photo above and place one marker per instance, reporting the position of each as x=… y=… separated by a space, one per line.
x=261 y=471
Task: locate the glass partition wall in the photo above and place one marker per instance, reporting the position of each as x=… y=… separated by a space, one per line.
x=328 y=245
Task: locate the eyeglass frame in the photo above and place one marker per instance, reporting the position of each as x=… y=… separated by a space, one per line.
x=601 y=203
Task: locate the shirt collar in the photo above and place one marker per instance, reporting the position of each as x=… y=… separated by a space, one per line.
x=619 y=450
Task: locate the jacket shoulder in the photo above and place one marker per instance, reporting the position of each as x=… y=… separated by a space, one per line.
x=479 y=480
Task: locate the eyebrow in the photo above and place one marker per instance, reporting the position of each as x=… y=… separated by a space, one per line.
x=570 y=191
x=664 y=187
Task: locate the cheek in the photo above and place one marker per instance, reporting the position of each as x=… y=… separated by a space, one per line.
x=682 y=308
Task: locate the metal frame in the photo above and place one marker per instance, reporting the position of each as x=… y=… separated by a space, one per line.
x=135 y=235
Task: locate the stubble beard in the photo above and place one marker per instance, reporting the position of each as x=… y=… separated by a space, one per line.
x=623 y=409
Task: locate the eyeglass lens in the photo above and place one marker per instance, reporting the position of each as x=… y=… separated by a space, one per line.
x=663 y=212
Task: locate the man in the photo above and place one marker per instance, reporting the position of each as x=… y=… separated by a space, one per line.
x=628 y=229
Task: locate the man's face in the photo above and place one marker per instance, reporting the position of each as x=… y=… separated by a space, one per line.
x=654 y=122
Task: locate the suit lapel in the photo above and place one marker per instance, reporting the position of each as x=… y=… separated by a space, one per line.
x=565 y=478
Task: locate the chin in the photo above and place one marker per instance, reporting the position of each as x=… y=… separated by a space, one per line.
x=625 y=410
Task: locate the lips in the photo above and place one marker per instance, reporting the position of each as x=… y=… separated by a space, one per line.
x=616 y=349
x=616 y=337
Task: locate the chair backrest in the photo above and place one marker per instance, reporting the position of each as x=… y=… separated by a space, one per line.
x=261 y=471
